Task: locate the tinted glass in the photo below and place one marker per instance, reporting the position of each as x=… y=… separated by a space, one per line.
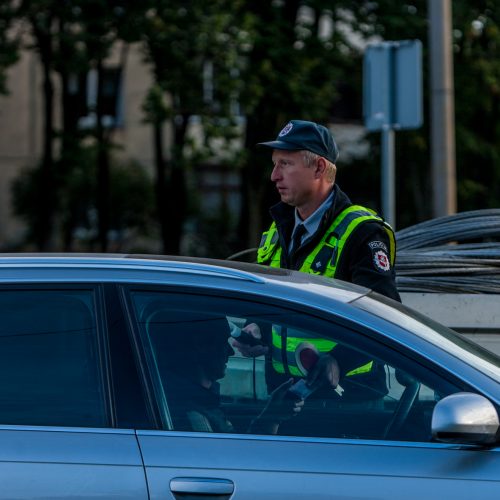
x=207 y=384
x=432 y=331
x=49 y=362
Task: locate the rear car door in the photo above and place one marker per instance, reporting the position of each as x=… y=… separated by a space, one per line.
x=57 y=408
x=373 y=445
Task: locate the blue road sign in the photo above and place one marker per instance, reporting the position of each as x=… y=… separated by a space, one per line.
x=392 y=85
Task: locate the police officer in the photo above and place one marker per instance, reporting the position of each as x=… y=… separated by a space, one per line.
x=317 y=229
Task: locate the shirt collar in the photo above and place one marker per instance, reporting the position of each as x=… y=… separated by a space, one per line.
x=312 y=223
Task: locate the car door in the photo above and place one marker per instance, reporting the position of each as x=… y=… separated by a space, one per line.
x=373 y=441
x=57 y=412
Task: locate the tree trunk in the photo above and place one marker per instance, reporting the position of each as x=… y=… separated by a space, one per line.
x=160 y=187
x=176 y=189
x=43 y=227
x=103 y=182
x=69 y=140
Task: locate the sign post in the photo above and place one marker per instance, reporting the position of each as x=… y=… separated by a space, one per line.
x=392 y=100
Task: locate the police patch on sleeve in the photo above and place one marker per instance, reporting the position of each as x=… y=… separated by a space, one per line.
x=380 y=256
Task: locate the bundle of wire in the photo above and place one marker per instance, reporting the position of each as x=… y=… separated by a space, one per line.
x=454 y=254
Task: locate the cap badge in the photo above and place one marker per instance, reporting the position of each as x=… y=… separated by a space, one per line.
x=286 y=129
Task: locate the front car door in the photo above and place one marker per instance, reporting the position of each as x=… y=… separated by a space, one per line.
x=372 y=441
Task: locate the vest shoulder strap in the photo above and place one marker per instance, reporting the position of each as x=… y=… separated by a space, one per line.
x=326 y=255
x=268 y=245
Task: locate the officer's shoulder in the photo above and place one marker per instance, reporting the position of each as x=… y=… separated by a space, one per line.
x=369 y=231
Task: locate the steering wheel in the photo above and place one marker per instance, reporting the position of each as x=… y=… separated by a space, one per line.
x=404 y=405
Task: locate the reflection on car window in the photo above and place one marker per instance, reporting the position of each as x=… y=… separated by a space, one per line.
x=48 y=359
x=432 y=331
x=212 y=385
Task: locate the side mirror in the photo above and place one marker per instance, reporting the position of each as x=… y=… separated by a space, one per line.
x=465 y=418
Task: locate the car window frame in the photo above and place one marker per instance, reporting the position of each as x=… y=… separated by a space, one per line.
x=101 y=337
x=372 y=341
x=119 y=328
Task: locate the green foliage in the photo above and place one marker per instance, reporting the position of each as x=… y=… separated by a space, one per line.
x=477 y=103
x=132 y=203
x=269 y=62
x=9 y=42
x=476 y=32
x=182 y=42
x=154 y=107
x=131 y=199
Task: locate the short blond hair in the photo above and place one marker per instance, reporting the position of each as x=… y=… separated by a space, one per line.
x=331 y=170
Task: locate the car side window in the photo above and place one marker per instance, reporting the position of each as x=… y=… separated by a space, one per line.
x=49 y=361
x=209 y=385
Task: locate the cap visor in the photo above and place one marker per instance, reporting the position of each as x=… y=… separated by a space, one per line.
x=280 y=145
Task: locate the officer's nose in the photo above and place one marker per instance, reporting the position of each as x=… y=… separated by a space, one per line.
x=275 y=174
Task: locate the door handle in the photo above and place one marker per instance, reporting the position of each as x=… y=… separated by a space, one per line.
x=201 y=486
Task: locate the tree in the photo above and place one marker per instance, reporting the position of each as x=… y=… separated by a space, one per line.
x=193 y=48
x=477 y=103
x=99 y=20
x=71 y=37
x=476 y=29
x=41 y=15
x=292 y=71
x=9 y=42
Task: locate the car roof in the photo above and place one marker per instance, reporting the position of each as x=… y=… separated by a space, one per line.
x=38 y=267
x=292 y=287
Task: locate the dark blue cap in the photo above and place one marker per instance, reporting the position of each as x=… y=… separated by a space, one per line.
x=300 y=135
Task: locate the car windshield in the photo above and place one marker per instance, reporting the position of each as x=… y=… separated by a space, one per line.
x=432 y=331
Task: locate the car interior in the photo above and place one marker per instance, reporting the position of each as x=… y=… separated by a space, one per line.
x=402 y=413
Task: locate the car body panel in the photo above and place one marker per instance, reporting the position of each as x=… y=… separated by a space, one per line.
x=70 y=463
x=277 y=467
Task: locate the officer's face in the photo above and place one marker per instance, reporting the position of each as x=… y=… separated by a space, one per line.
x=293 y=178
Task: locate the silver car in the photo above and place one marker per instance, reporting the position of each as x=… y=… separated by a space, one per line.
x=103 y=368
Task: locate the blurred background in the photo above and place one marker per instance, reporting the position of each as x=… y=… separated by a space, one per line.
x=131 y=126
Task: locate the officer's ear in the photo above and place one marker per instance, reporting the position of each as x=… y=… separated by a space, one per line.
x=320 y=167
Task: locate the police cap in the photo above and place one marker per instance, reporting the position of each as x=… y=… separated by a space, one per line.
x=300 y=135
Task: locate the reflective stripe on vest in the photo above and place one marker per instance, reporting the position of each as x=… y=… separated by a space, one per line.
x=323 y=346
x=325 y=256
x=268 y=244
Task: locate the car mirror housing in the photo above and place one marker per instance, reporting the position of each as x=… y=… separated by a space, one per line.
x=465 y=418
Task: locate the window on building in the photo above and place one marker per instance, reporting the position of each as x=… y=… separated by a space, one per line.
x=83 y=89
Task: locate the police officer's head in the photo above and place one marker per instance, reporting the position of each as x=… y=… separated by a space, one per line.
x=304 y=156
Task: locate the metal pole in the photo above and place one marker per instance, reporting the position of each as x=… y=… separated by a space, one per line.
x=442 y=109
x=388 y=176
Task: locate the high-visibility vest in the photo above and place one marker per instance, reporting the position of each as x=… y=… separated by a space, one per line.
x=291 y=344
x=323 y=260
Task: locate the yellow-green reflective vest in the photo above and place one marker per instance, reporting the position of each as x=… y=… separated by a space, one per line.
x=323 y=346
x=325 y=257
x=323 y=260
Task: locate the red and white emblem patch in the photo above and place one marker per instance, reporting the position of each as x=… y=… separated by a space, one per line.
x=381 y=260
